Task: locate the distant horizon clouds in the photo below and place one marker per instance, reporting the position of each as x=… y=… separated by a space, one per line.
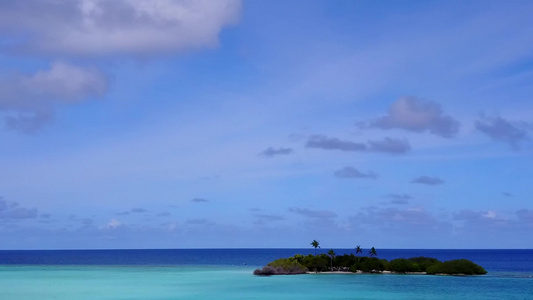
x=525 y=215
x=10 y=210
x=319 y=214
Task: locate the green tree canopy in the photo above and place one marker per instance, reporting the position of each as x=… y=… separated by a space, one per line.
x=315 y=244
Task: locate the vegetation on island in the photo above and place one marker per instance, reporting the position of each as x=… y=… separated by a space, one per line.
x=315 y=244
x=330 y=262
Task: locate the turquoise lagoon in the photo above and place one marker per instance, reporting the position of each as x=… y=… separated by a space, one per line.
x=189 y=281
x=123 y=282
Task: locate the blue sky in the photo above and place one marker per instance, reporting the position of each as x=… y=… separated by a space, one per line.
x=180 y=124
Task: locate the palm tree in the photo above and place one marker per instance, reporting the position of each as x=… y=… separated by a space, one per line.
x=315 y=244
x=373 y=252
x=358 y=249
x=331 y=253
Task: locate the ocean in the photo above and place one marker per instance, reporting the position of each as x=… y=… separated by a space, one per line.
x=227 y=274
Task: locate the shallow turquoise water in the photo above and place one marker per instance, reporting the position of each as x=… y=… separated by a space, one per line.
x=225 y=282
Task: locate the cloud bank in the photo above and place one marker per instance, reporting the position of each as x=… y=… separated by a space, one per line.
x=387 y=145
x=13 y=211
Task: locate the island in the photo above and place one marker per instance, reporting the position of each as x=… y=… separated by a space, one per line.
x=350 y=263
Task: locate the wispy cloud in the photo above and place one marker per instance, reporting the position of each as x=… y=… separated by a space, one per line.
x=113 y=224
x=428 y=180
x=197 y=222
x=329 y=143
x=389 y=145
x=199 y=200
x=525 y=215
x=262 y=219
x=320 y=214
x=401 y=221
x=269 y=217
x=399 y=198
x=133 y=210
x=499 y=129
x=351 y=172
x=386 y=145
x=271 y=152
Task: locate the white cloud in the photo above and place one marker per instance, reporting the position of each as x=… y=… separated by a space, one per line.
x=27 y=101
x=99 y=27
x=418 y=115
x=489 y=214
x=113 y=224
x=66 y=82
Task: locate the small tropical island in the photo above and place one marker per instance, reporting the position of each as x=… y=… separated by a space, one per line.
x=371 y=264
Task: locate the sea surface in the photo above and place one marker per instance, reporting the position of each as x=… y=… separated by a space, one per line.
x=227 y=274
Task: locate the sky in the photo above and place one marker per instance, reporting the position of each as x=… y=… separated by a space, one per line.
x=266 y=124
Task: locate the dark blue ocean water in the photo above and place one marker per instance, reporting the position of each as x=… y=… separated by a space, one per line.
x=500 y=261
